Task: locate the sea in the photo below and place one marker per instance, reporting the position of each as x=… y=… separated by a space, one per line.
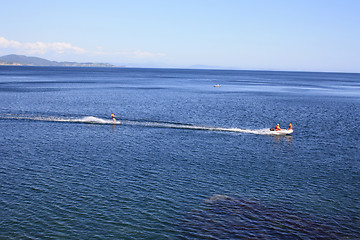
x=191 y=155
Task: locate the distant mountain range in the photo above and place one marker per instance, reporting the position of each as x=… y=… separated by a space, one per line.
x=20 y=60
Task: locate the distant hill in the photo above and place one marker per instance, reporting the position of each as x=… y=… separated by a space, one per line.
x=20 y=60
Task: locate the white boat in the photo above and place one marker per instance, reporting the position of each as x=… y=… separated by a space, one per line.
x=217 y=85
x=282 y=132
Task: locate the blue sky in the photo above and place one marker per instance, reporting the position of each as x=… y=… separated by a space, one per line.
x=307 y=35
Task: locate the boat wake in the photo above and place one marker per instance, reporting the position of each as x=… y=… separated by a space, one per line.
x=88 y=119
x=158 y=124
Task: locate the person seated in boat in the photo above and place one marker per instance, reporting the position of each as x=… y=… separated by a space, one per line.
x=277 y=127
x=113 y=117
x=290 y=127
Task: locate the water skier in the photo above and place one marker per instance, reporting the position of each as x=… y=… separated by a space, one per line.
x=113 y=117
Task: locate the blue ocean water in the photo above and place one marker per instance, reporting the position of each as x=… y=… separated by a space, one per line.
x=187 y=160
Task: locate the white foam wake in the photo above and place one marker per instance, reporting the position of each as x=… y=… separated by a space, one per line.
x=96 y=120
x=222 y=129
x=88 y=119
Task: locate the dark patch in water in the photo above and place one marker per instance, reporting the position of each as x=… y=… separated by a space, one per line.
x=224 y=217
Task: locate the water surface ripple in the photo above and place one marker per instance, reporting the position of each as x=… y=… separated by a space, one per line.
x=185 y=161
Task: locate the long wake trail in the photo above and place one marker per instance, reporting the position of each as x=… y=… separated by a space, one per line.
x=147 y=123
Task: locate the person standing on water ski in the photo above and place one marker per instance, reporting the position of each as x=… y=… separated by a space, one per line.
x=113 y=117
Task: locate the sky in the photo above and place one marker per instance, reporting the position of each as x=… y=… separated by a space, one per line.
x=306 y=35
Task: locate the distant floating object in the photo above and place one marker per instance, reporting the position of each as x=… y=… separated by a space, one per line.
x=217 y=85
